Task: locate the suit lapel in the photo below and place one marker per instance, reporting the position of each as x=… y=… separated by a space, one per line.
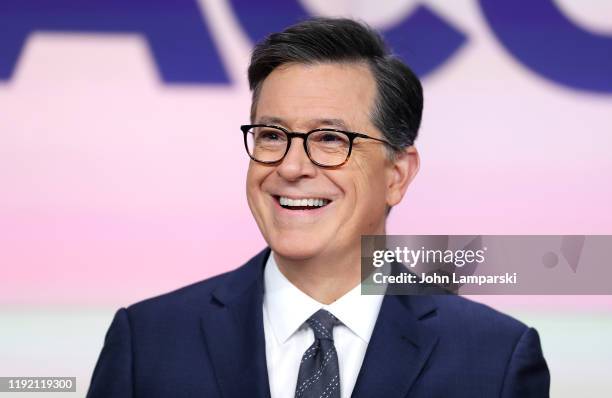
x=398 y=349
x=233 y=329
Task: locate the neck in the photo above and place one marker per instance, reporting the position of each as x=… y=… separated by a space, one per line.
x=326 y=277
x=325 y=280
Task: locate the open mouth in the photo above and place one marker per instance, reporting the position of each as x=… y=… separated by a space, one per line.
x=301 y=203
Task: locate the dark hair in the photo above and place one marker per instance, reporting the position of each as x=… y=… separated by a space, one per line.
x=399 y=101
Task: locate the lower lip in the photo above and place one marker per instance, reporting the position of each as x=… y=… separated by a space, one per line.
x=300 y=213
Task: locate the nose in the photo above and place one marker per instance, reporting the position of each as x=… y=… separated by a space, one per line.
x=296 y=163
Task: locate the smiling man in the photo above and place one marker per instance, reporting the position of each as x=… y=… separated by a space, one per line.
x=313 y=195
x=333 y=122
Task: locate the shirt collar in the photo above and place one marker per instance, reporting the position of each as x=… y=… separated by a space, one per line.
x=288 y=307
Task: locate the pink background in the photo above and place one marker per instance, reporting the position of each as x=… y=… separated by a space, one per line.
x=114 y=187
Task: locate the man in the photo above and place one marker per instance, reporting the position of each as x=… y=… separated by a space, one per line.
x=333 y=121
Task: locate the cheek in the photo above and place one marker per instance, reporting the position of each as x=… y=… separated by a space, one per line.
x=257 y=173
x=370 y=177
x=250 y=181
x=254 y=180
x=370 y=188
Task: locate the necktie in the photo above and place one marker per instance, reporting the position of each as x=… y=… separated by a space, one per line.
x=319 y=374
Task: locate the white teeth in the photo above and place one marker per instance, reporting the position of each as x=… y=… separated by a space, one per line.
x=310 y=202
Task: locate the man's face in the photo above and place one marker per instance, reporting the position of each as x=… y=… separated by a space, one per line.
x=301 y=98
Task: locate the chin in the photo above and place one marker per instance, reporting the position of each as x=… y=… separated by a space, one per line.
x=297 y=249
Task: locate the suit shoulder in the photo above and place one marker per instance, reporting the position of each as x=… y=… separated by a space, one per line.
x=478 y=317
x=181 y=299
x=190 y=301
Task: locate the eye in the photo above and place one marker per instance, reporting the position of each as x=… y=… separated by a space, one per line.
x=269 y=136
x=330 y=138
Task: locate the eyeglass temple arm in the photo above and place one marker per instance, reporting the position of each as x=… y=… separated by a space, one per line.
x=380 y=140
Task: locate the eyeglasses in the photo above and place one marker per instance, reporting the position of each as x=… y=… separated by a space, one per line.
x=325 y=147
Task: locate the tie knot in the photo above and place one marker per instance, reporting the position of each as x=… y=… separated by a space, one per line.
x=322 y=323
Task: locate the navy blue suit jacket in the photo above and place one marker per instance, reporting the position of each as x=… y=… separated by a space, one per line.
x=207 y=340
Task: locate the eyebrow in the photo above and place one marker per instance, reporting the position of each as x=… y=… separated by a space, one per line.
x=330 y=122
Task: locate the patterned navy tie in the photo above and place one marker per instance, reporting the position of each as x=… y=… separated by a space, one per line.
x=319 y=375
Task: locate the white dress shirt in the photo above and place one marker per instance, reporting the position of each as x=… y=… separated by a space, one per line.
x=285 y=311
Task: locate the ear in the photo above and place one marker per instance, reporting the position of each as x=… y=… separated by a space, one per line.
x=401 y=171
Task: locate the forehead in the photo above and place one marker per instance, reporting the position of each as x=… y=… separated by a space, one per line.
x=300 y=93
